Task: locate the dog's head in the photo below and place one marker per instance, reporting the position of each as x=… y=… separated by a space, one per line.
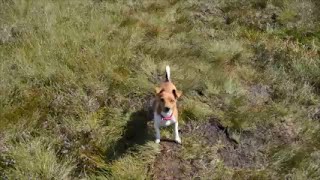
x=167 y=97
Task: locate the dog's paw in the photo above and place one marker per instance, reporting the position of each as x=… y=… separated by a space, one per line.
x=178 y=140
x=157 y=141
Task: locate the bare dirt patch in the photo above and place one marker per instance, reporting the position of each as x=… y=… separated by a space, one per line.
x=250 y=152
x=168 y=165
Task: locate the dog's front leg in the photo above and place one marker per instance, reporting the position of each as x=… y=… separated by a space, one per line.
x=157 y=129
x=176 y=133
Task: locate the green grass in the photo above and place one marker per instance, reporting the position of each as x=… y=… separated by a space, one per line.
x=74 y=74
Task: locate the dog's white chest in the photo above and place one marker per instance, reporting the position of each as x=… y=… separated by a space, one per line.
x=160 y=122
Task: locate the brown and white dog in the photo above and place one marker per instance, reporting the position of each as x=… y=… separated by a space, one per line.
x=165 y=111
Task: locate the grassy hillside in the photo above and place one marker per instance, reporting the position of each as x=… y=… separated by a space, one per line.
x=77 y=77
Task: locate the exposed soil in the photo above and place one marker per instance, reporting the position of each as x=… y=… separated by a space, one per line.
x=168 y=165
x=248 y=152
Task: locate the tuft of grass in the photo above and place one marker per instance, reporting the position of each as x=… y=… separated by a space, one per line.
x=37 y=159
x=135 y=166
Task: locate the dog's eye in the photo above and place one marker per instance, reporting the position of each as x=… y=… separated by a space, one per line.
x=172 y=100
x=162 y=100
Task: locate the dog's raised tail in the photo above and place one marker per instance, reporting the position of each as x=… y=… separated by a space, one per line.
x=168 y=73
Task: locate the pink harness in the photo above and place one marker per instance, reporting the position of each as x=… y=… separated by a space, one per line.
x=166 y=118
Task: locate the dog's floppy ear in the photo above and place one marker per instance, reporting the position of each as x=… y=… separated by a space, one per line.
x=158 y=90
x=176 y=93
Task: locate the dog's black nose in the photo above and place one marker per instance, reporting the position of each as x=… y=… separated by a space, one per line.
x=166 y=109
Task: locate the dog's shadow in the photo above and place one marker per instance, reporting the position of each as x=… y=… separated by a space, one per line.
x=136 y=132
